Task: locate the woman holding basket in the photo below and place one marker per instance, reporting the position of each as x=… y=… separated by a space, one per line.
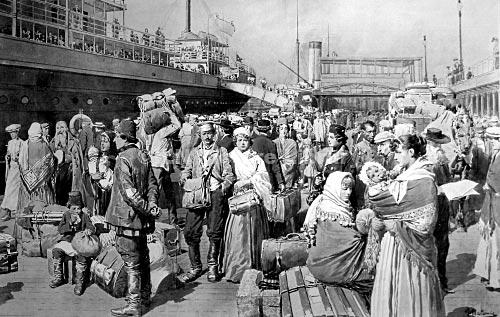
x=247 y=224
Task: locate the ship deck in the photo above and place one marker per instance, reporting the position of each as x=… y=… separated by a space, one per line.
x=26 y=292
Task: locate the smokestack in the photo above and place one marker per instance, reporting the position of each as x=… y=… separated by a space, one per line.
x=314 y=65
x=188 y=16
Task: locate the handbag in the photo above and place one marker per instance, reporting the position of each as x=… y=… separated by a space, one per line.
x=196 y=194
x=243 y=202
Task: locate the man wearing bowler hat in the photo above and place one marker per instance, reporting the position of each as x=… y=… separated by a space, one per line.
x=435 y=138
x=208 y=161
x=131 y=214
x=226 y=141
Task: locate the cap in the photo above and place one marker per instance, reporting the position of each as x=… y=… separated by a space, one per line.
x=75 y=199
x=127 y=128
x=384 y=136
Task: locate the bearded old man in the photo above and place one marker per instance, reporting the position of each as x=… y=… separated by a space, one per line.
x=69 y=170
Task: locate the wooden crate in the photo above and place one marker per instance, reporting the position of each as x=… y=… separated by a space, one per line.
x=302 y=295
x=251 y=301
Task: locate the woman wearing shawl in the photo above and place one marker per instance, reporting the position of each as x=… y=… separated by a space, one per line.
x=406 y=281
x=487 y=261
x=337 y=248
x=36 y=164
x=288 y=153
x=101 y=166
x=244 y=232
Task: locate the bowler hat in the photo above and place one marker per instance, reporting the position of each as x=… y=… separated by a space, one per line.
x=75 y=199
x=436 y=135
x=263 y=125
x=225 y=123
x=127 y=129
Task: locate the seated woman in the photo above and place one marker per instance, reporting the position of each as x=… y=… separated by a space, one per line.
x=406 y=280
x=337 y=249
x=244 y=232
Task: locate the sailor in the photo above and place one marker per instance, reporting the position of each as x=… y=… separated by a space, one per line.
x=12 y=176
x=131 y=214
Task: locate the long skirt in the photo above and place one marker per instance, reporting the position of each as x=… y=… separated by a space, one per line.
x=243 y=237
x=403 y=286
x=11 y=196
x=487 y=264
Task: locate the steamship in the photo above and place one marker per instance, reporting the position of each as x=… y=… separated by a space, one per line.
x=62 y=57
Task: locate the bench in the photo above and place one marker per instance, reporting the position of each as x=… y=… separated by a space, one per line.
x=302 y=295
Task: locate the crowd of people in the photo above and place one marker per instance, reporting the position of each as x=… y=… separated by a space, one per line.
x=378 y=221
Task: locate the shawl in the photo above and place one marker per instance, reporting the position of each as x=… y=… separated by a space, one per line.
x=36 y=166
x=249 y=165
x=416 y=171
x=329 y=205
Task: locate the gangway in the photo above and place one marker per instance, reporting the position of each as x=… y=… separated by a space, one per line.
x=257 y=92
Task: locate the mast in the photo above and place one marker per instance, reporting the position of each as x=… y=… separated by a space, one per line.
x=328 y=50
x=188 y=16
x=298 y=45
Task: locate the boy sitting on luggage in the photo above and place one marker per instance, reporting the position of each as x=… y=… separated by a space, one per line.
x=74 y=220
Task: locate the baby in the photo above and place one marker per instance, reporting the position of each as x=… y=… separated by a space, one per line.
x=375 y=177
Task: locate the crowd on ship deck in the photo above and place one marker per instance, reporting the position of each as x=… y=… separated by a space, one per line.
x=378 y=220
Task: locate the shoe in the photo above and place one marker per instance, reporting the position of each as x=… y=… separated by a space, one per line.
x=127 y=311
x=8 y=215
x=190 y=276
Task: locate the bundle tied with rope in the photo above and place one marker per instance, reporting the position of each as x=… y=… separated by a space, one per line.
x=157 y=110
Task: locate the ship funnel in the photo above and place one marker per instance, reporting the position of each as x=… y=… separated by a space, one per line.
x=314 y=65
x=188 y=16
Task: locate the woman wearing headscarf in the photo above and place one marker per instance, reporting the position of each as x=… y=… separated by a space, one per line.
x=337 y=248
x=12 y=177
x=244 y=232
x=37 y=165
x=101 y=166
x=407 y=282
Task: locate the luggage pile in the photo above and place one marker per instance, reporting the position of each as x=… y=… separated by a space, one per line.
x=8 y=254
x=158 y=109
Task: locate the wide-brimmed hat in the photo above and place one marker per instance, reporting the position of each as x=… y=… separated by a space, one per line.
x=263 y=125
x=493 y=132
x=128 y=129
x=13 y=128
x=436 y=135
x=75 y=199
x=384 y=136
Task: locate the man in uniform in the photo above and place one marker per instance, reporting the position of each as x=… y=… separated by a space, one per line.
x=131 y=214
x=207 y=160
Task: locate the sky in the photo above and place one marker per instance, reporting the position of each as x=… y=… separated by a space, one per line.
x=266 y=29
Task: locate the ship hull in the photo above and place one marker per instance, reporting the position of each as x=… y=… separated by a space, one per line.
x=40 y=82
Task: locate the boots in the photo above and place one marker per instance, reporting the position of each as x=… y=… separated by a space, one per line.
x=81 y=272
x=57 y=279
x=195 y=259
x=133 y=307
x=213 y=261
x=8 y=215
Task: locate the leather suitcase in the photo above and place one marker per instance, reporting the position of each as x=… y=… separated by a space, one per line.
x=108 y=272
x=302 y=295
x=284 y=205
x=8 y=253
x=278 y=255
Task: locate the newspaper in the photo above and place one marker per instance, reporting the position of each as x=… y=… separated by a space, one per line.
x=460 y=189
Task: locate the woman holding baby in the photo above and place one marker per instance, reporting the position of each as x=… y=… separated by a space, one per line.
x=406 y=280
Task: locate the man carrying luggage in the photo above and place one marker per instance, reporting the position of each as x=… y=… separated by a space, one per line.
x=131 y=214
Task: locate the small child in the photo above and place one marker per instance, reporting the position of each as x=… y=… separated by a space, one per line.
x=100 y=168
x=375 y=177
x=74 y=220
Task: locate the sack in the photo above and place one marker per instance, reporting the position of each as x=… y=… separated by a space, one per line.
x=49 y=236
x=108 y=272
x=243 y=202
x=8 y=253
x=155 y=119
x=196 y=194
x=284 y=205
x=278 y=255
x=86 y=245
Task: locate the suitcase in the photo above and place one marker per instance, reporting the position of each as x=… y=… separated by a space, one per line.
x=170 y=236
x=243 y=202
x=108 y=272
x=278 y=255
x=8 y=253
x=284 y=205
x=302 y=295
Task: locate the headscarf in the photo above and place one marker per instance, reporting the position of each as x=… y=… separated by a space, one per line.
x=112 y=146
x=330 y=202
x=35 y=132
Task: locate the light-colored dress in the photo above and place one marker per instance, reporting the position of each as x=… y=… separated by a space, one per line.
x=244 y=233
x=13 y=182
x=185 y=136
x=288 y=157
x=406 y=280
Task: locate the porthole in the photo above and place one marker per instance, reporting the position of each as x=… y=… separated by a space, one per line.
x=25 y=100
x=105 y=101
x=90 y=101
x=153 y=74
x=3 y=99
x=74 y=100
x=55 y=101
